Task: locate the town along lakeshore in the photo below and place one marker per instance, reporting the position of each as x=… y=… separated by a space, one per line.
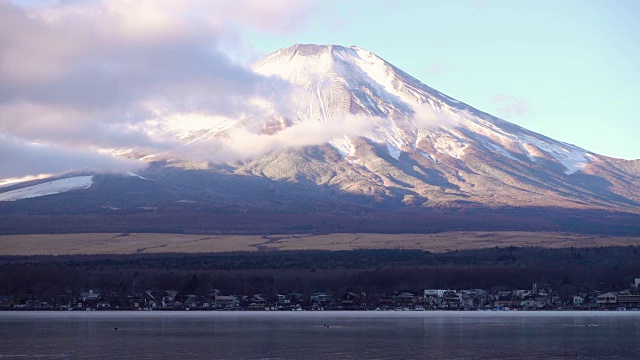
x=488 y=279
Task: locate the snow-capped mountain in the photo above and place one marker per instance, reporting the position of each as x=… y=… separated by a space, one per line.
x=354 y=132
x=356 y=81
x=425 y=146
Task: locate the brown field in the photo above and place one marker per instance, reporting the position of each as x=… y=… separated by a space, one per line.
x=109 y=243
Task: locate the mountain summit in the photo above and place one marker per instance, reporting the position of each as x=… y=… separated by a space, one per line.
x=350 y=134
x=428 y=148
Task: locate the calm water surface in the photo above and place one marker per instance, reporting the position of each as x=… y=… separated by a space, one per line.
x=320 y=335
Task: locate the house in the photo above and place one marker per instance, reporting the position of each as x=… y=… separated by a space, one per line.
x=6 y=301
x=104 y=305
x=191 y=302
x=351 y=299
x=288 y=301
x=91 y=296
x=136 y=300
x=30 y=301
x=520 y=294
x=433 y=297
x=226 y=302
x=283 y=301
x=169 y=298
x=320 y=300
x=150 y=298
x=534 y=301
x=452 y=300
x=385 y=302
x=405 y=299
x=590 y=300
x=609 y=299
x=474 y=298
x=505 y=299
x=146 y=300
x=88 y=299
x=43 y=305
x=257 y=302
x=296 y=299
x=169 y=295
x=207 y=303
x=528 y=303
x=578 y=300
x=629 y=300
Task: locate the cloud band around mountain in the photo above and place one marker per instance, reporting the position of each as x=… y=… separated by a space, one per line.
x=80 y=76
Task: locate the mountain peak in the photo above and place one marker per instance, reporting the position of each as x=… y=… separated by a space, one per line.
x=374 y=86
x=312 y=60
x=315 y=49
x=411 y=117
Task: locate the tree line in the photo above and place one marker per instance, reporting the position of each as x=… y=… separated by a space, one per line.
x=370 y=271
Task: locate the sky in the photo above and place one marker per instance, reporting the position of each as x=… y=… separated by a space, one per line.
x=79 y=76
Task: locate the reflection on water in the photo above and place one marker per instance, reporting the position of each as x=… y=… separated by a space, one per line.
x=320 y=335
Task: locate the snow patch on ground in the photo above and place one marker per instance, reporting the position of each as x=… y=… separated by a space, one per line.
x=501 y=151
x=429 y=156
x=394 y=151
x=48 y=188
x=448 y=98
x=571 y=157
x=444 y=142
x=525 y=148
x=344 y=146
x=447 y=144
x=132 y=174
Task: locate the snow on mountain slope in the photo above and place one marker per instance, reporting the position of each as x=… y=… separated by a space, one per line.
x=351 y=80
x=48 y=188
x=335 y=86
x=354 y=123
x=437 y=148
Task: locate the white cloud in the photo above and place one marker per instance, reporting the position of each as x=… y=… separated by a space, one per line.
x=511 y=106
x=426 y=116
x=281 y=16
x=20 y=157
x=437 y=69
x=243 y=144
x=82 y=75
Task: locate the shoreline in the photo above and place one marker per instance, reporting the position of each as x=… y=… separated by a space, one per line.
x=335 y=311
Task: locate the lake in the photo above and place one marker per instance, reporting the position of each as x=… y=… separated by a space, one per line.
x=320 y=335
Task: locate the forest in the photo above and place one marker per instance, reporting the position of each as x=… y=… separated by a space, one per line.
x=565 y=271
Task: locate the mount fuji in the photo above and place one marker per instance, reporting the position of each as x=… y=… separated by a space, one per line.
x=353 y=144
x=427 y=148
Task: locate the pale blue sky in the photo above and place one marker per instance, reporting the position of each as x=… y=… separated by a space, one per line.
x=567 y=69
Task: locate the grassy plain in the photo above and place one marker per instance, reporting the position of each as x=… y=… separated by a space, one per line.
x=136 y=243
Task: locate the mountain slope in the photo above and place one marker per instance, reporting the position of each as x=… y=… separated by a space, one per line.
x=427 y=147
x=358 y=137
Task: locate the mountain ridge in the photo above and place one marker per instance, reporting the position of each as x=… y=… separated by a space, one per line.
x=357 y=135
x=483 y=135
